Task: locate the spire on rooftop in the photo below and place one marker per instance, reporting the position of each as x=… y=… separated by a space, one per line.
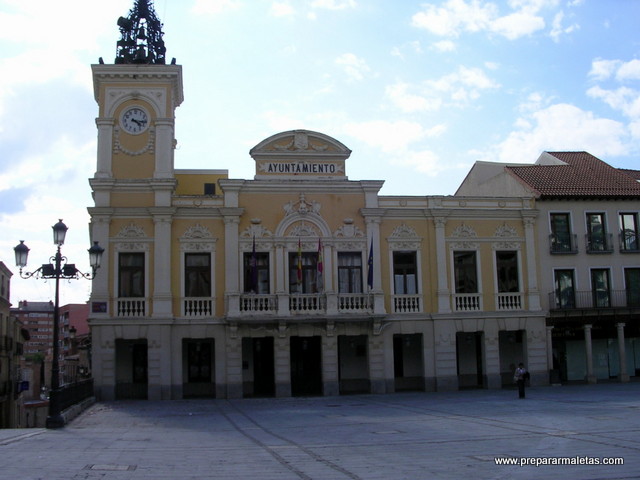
x=141 y=36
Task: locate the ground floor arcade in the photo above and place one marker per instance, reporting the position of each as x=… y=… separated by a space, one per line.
x=313 y=357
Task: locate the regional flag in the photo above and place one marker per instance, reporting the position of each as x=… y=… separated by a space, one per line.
x=370 y=267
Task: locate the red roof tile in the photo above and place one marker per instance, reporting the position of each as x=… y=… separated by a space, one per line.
x=583 y=176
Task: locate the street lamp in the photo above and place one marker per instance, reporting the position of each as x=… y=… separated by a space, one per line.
x=59 y=268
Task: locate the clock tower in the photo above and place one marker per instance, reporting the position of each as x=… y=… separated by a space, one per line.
x=134 y=180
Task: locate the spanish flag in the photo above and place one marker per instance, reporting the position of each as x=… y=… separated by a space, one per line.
x=299 y=261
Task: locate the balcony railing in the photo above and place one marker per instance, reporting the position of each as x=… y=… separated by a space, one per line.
x=131 y=307
x=599 y=243
x=355 y=303
x=629 y=242
x=258 y=303
x=197 y=306
x=596 y=300
x=407 y=303
x=307 y=303
x=467 y=302
x=509 y=301
x=559 y=244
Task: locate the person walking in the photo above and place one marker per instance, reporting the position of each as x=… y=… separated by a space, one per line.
x=520 y=376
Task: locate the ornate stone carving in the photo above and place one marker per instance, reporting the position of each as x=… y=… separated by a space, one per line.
x=197 y=238
x=300 y=142
x=302 y=229
x=197 y=231
x=505 y=231
x=348 y=230
x=464 y=231
x=404 y=237
x=131 y=231
x=301 y=207
x=255 y=230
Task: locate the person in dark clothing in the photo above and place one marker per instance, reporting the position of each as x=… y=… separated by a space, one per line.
x=520 y=376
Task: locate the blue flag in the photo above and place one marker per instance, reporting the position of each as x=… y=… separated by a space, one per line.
x=370 y=267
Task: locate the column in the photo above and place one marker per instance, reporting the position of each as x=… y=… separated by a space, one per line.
x=373 y=235
x=162 y=299
x=105 y=143
x=100 y=284
x=591 y=378
x=444 y=296
x=532 y=277
x=164 y=148
x=622 y=354
x=231 y=264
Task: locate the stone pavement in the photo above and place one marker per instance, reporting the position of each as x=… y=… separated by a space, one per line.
x=445 y=435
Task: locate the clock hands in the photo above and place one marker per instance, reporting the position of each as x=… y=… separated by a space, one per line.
x=140 y=123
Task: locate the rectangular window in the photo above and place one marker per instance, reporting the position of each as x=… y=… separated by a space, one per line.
x=349 y=272
x=632 y=286
x=564 y=288
x=405 y=276
x=256 y=273
x=507 y=271
x=466 y=272
x=561 y=238
x=131 y=275
x=596 y=233
x=303 y=274
x=197 y=274
x=600 y=287
x=629 y=232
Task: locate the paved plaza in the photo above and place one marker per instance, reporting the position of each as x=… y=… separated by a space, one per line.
x=452 y=435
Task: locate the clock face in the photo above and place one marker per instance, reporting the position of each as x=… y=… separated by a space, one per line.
x=134 y=120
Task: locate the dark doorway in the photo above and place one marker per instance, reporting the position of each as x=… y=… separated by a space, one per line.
x=353 y=363
x=197 y=358
x=408 y=365
x=306 y=366
x=258 y=367
x=131 y=369
x=469 y=350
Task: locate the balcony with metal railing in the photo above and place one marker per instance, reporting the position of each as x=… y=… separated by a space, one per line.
x=602 y=243
x=563 y=244
x=588 y=299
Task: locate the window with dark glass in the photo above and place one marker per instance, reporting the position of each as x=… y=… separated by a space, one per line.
x=256 y=273
x=405 y=273
x=507 y=271
x=560 y=233
x=199 y=362
x=303 y=272
x=131 y=275
x=564 y=289
x=596 y=233
x=197 y=275
x=629 y=232
x=632 y=286
x=600 y=287
x=349 y=272
x=465 y=272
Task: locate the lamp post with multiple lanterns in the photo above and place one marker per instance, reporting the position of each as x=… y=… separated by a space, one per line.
x=57 y=269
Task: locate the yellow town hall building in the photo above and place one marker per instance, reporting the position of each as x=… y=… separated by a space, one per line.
x=299 y=281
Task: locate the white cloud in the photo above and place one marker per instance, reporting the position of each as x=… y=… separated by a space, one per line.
x=355 y=68
x=603 y=69
x=391 y=137
x=444 y=46
x=281 y=9
x=214 y=7
x=623 y=99
x=629 y=71
x=409 y=102
x=334 y=4
x=517 y=25
x=423 y=161
x=463 y=84
x=454 y=17
x=563 y=127
x=557 y=29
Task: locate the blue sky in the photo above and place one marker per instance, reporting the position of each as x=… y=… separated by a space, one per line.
x=418 y=90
